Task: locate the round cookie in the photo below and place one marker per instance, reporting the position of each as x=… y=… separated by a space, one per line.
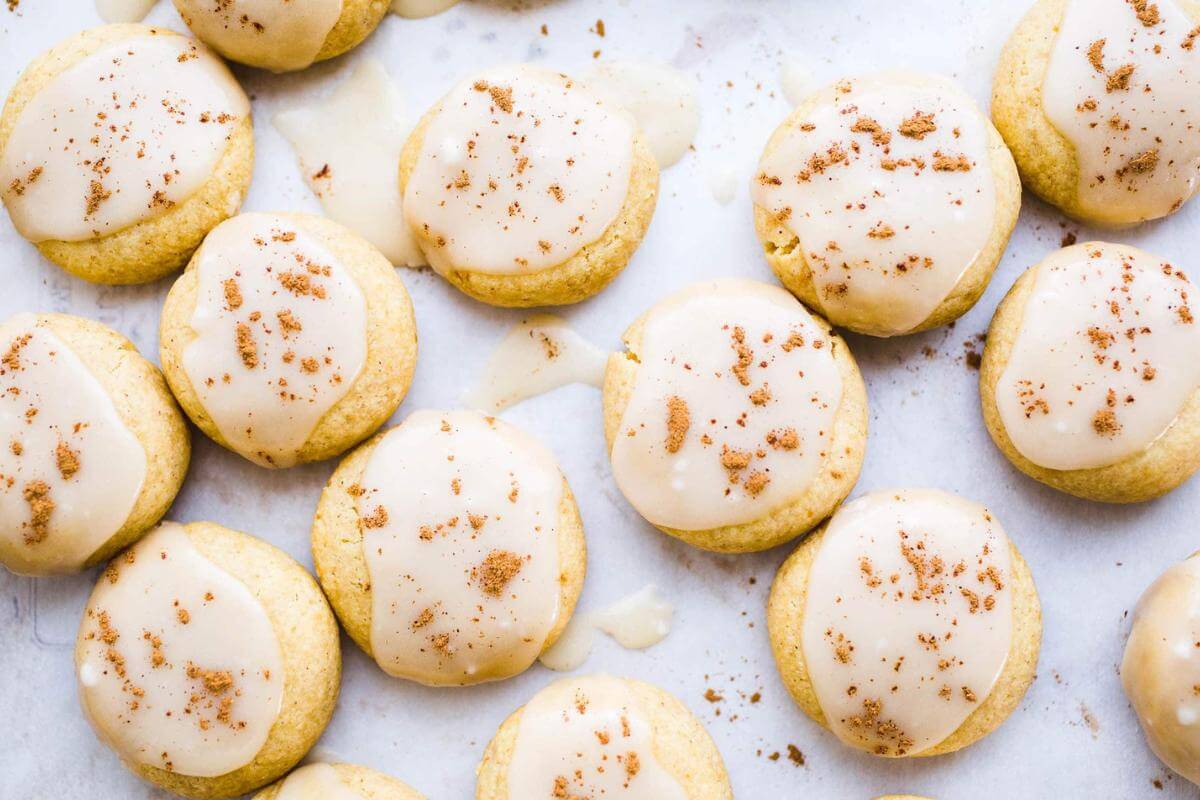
x=338 y=782
x=289 y=338
x=1098 y=101
x=908 y=624
x=885 y=202
x=94 y=448
x=735 y=419
x=451 y=548
x=126 y=201
x=1089 y=382
x=1160 y=669
x=208 y=660
x=548 y=221
x=602 y=736
x=279 y=35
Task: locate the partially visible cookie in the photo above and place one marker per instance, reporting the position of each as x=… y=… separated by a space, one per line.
x=283 y=36
x=885 y=202
x=126 y=201
x=1100 y=101
x=288 y=339
x=451 y=548
x=735 y=419
x=93 y=448
x=207 y=660
x=599 y=736
x=1090 y=381
x=338 y=782
x=908 y=625
x=525 y=188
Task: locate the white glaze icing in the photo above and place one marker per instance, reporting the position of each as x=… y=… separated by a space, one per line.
x=536 y=356
x=122 y=136
x=278 y=35
x=1161 y=667
x=316 y=782
x=281 y=334
x=124 y=10
x=636 y=622
x=795 y=81
x=1105 y=358
x=732 y=407
x=348 y=145
x=1123 y=87
x=661 y=99
x=460 y=516
x=888 y=186
x=520 y=167
x=179 y=667
x=417 y=9
x=588 y=737
x=907 y=618
x=70 y=469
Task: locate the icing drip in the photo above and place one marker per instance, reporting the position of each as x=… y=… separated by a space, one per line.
x=538 y=355
x=1104 y=360
x=636 y=622
x=124 y=10
x=587 y=737
x=278 y=35
x=460 y=516
x=519 y=169
x=417 y=9
x=661 y=99
x=907 y=618
x=348 y=145
x=70 y=469
x=280 y=338
x=1161 y=667
x=315 y=782
x=122 y=136
x=888 y=186
x=732 y=407
x=179 y=667
x=1122 y=87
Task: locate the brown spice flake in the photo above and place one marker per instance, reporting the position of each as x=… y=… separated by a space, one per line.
x=37 y=495
x=678 y=422
x=1105 y=423
x=918 y=125
x=494 y=574
x=246 y=346
x=67 y=460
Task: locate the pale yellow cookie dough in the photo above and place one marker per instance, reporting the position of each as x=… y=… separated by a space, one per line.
x=582 y=275
x=391 y=345
x=308 y=641
x=1169 y=460
x=147 y=409
x=837 y=476
x=358 y=20
x=337 y=537
x=1045 y=158
x=785 y=252
x=363 y=781
x=785 y=620
x=158 y=246
x=681 y=745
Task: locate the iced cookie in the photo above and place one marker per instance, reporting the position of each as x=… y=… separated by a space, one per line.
x=1161 y=668
x=885 y=203
x=281 y=35
x=908 y=625
x=338 y=782
x=598 y=736
x=1090 y=381
x=451 y=548
x=120 y=148
x=1100 y=101
x=735 y=419
x=288 y=339
x=93 y=448
x=524 y=188
x=207 y=660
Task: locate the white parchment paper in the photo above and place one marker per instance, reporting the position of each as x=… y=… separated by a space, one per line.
x=1073 y=736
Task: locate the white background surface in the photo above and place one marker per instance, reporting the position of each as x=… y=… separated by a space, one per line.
x=1091 y=562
